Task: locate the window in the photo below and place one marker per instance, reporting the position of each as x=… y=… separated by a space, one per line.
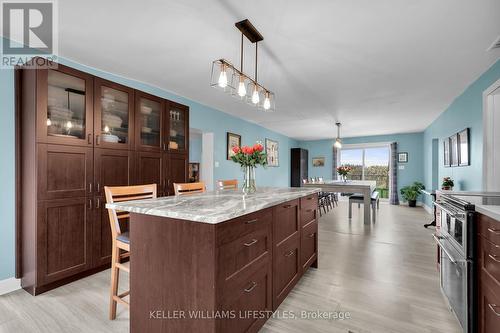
x=368 y=163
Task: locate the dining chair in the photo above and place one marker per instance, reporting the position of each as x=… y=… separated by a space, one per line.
x=228 y=184
x=121 y=240
x=189 y=188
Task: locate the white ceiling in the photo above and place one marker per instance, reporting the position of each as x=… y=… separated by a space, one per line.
x=379 y=67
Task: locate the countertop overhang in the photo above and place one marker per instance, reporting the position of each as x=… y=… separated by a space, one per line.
x=214 y=206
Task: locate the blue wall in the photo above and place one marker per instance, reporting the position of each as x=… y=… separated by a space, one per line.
x=201 y=117
x=465 y=111
x=195 y=144
x=410 y=143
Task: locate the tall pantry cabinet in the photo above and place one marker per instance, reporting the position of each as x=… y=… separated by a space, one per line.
x=79 y=133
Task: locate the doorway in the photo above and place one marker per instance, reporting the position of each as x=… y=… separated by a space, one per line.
x=491 y=138
x=201 y=157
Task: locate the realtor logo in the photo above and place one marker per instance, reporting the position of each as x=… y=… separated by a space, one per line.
x=28 y=29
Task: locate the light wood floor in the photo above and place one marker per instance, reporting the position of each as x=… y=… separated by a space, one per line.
x=384 y=275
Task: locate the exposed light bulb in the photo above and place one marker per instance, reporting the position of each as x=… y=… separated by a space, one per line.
x=69 y=125
x=338 y=143
x=49 y=122
x=223 y=77
x=106 y=129
x=255 y=96
x=267 y=102
x=242 y=90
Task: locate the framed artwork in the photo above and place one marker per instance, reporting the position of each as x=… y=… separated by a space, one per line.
x=402 y=157
x=446 y=152
x=318 y=161
x=463 y=148
x=233 y=140
x=272 y=151
x=454 y=150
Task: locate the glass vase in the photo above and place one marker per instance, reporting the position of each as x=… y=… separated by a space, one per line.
x=249 y=180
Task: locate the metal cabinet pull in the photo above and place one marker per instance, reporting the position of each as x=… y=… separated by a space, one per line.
x=90 y=204
x=493 y=257
x=251 y=243
x=90 y=187
x=311 y=235
x=249 y=289
x=97 y=140
x=494 y=231
x=308 y=210
x=251 y=221
x=98 y=203
x=290 y=253
x=310 y=198
x=89 y=139
x=98 y=188
x=492 y=307
x=287 y=206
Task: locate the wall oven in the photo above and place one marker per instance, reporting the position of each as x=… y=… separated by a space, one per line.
x=455 y=237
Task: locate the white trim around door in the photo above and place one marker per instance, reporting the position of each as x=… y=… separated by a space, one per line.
x=491 y=177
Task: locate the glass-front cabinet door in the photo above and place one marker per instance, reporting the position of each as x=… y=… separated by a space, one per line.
x=149 y=114
x=113 y=115
x=178 y=120
x=65 y=96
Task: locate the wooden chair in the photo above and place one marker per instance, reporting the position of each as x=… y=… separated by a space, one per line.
x=229 y=184
x=189 y=188
x=121 y=240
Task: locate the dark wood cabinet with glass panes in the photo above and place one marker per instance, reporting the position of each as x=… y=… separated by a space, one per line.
x=77 y=134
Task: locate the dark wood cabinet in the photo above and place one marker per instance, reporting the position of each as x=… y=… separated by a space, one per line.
x=64 y=238
x=79 y=133
x=299 y=166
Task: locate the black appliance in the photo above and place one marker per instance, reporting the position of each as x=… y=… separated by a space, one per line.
x=455 y=236
x=299 y=166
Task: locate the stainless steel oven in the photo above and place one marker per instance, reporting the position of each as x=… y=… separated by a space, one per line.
x=457 y=258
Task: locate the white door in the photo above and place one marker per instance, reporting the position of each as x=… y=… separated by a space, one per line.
x=491 y=148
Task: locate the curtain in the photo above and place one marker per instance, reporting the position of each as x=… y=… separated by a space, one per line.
x=393 y=171
x=334 y=163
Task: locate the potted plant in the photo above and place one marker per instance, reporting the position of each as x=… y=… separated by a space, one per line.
x=343 y=171
x=447 y=184
x=411 y=192
x=249 y=157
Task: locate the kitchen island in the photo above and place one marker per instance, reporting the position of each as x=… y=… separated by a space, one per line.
x=218 y=261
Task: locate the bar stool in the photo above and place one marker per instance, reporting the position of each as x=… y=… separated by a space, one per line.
x=189 y=188
x=121 y=240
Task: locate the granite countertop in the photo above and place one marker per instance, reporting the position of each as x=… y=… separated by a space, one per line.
x=489 y=210
x=213 y=207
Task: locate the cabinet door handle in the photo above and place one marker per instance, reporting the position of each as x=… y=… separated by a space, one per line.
x=251 y=242
x=309 y=198
x=89 y=139
x=97 y=140
x=308 y=210
x=290 y=253
x=164 y=146
x=90 y=204
x=287 y=206
x=98 y=189
x=493 y=257
x=492 y=307
x=251 y=221
x=98 y=203
x=494 y=231
x=90 y=187
x=249 y=289
x=311 y=235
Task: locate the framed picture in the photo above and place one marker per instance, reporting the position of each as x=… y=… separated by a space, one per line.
x=318 y=161
x=454 y=150
x=446 y=152
x=463 y=148
x=233 y=140
x=402 y=157
x=272 y=151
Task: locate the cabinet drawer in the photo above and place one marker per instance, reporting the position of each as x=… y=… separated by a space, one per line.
x=286 y=223
x=248 y=294
x=243 y=251
x=307 y=214
x=240 y=226
x=489 y=258
x=287 y=268
x=488 y=305
x=311 y=201
x=489 y=229
x=309 y=244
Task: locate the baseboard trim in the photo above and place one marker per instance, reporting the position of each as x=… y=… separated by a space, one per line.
x=428 y=209
x=9 y=285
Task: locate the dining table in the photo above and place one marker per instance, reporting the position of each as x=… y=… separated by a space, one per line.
x=364 y=187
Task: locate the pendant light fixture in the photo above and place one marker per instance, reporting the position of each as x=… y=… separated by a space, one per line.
x=229 y=79
x=338 y=140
